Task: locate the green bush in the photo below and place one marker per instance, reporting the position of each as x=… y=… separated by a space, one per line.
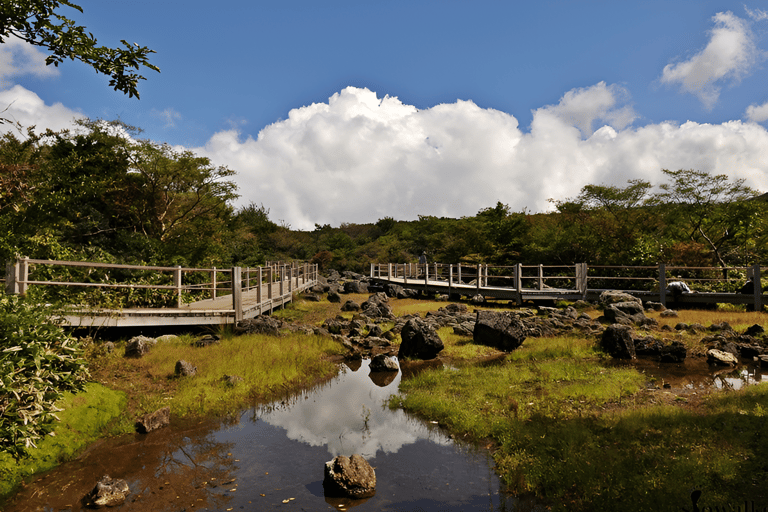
x=38 y=362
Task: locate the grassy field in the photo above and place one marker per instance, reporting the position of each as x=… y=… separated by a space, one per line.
x=562 y=422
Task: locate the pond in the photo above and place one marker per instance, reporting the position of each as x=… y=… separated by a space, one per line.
x=272 y=457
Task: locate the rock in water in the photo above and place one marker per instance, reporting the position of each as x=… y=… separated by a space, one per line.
x=107 y=493
x=383 y=363
x=153 y=421
x=349 y=476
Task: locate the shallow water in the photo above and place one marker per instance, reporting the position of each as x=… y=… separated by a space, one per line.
x=272 y=457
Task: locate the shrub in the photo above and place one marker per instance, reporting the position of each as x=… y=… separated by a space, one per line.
x=38 y=362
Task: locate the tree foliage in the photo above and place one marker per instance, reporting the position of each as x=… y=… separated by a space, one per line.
x=41 y=23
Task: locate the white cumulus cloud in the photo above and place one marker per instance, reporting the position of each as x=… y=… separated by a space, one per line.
x=358 y=158
x=584 y=107
x=18 y=57
x=757 y=113
x=20 y=105
x=728 y=56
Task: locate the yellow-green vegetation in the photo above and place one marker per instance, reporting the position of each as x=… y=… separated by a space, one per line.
x=581 y=434
x=269 y=367
x=461 y=348
x=84 y=417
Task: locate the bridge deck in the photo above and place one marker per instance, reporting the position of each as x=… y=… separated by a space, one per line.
x=218 y=311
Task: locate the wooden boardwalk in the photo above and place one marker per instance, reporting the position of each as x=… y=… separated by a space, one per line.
x=524 y=283
x=241 y=294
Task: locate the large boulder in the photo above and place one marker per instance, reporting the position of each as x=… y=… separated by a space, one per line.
x=108 y=492
x=613 y=297
x=617 y=341
x=377 y=306
x=349 y=477
x=355 y=287
x=420 y=340
x=262 y=324
x=502 y=330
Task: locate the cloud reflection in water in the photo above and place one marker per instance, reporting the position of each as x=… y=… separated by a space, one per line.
x=349 y=415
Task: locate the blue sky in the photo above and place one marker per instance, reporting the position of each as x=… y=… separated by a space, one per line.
x=486 y=101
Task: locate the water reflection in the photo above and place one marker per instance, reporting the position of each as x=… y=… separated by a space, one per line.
x=349 y=415
x=271 y=457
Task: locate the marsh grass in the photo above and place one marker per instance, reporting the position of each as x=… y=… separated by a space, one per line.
x=581 y=436
x=85 y=416
x=269 y=367
x=738 y=319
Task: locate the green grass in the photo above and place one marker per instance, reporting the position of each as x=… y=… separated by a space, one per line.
x=269 y=367
x=85 y=417
x=578 y=435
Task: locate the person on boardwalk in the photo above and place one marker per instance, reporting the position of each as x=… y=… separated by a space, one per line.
x=423 y=262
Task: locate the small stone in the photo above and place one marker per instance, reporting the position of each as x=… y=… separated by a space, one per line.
x=108 y=492
x=153 y=421
x=185 y=369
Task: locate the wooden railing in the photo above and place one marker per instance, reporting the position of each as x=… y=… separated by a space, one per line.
x=187 y=284
x=572 y=280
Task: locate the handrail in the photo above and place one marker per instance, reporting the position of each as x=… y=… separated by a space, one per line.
x=487 y=277
x=292 y=276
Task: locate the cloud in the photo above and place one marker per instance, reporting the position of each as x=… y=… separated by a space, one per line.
x=729 y=56
x=358 y=158
x=27 y=108
x=169 y=116
x=756 y=14
x=18 y=58
x=757 y=113
x=583 y=107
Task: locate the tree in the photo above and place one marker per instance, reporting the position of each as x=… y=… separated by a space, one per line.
x=710 y=210
x=38 y=22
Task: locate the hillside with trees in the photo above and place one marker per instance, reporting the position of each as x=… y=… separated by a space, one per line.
x=100 y=193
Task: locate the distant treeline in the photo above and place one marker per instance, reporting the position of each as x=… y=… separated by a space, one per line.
x=94 y=194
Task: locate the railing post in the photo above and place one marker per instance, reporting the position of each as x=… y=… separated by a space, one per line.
x=450 y=280
x=213 y=283
x=282 y=281
x=177 y=284
x=237 y=293
x=259 y=294
x=271 y=277
x=12 y=277
x=519 y=282
x=663 y=284
x=458 y=269
x=479 y=276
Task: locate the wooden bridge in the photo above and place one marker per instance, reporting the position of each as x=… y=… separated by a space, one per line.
x=180 y=296
x=522 y=283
